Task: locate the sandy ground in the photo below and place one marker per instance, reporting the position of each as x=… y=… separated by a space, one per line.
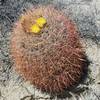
x=86 y=14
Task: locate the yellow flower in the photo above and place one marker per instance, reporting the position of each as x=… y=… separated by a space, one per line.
x=41 y=21
x=35 y=28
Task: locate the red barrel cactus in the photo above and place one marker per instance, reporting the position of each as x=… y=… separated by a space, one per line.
x=53 y=59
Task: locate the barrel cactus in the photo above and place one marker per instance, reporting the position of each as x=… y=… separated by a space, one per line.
x=46 y=49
